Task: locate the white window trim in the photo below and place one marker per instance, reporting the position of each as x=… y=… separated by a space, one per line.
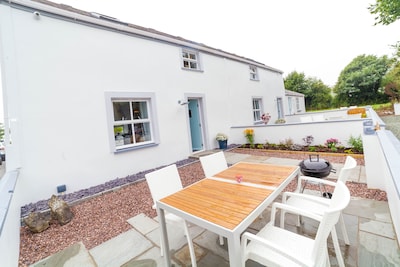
x=253 y=73
x=198 y=62
x=260 y=99
x=109 y=97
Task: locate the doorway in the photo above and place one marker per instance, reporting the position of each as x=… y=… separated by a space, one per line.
x=195 y=122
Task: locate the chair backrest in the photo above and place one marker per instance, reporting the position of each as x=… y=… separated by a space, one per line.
x=339 y=201
x=214 y=163
x=349 y=165
x=164 y=182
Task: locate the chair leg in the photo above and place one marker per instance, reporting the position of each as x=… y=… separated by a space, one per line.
x=336 y=245
x=190 y=244
x=161 y=246
x=221 y=240
x=344 y=231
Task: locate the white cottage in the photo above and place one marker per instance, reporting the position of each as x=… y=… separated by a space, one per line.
x=89 y=98
x=295 y=103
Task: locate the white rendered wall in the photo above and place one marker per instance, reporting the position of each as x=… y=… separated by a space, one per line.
x=321 y=131
x=61 y=73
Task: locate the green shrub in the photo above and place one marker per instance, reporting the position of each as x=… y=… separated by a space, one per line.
x=356 y=143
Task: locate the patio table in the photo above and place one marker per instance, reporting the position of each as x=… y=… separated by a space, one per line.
x=222 y=205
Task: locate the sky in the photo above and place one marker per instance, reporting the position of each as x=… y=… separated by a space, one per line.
x=317 y=37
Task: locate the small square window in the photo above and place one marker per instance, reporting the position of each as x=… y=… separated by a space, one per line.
x=190 y=60
x=253 y=73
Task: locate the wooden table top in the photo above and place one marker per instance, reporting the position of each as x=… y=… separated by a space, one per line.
x=225 y=204
x=258 y=173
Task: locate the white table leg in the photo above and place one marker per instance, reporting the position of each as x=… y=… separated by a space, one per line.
x=164 y=236
x=235 y=256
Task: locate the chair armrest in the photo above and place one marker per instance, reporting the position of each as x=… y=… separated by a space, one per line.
x=261 y=241
x=318 y=199
x=294 y=210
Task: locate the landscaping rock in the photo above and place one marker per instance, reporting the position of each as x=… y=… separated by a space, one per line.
x=60 y=210
x=37 y=222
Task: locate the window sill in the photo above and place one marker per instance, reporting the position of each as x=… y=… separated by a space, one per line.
x=194 y=70
x=122 y=150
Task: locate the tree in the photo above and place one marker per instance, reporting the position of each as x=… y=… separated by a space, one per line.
x=317 y=95
x=359 y=82
x=320 y=94
x=391 y=81
x=388 y=11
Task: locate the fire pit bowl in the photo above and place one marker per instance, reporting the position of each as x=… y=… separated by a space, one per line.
x=315 y=167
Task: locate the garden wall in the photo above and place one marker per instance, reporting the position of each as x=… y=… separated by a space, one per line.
x=321 y=131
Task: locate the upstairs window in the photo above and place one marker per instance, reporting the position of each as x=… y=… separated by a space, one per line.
x=253 y=73
x=257 y=110
x=190 y=60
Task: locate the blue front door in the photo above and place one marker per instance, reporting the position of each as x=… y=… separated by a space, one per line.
x=195 y=125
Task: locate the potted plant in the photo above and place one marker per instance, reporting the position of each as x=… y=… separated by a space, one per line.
x=265 y=118
x=222 y=140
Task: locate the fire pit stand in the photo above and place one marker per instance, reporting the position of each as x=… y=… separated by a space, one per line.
x=318 y=168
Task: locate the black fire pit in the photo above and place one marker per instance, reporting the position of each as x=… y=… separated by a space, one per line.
x=315 y=167
x=318 y=168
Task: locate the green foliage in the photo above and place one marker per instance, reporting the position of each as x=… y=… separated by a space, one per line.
x=388 y=11
x=1 y=131
x=260 y=146
x=312 y=149
x=359 y=82
x=391 y=81
x=317 y=95
x=356 y=143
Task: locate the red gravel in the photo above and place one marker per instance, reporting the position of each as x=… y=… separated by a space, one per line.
x=101 y=218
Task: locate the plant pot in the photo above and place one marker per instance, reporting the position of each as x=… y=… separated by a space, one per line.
x=223 y=144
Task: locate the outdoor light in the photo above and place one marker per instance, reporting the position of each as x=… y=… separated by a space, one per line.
x=180 y=102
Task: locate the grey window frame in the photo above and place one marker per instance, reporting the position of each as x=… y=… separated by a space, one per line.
x=149 y=99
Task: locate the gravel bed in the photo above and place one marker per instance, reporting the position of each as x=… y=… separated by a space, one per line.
x=100 y=218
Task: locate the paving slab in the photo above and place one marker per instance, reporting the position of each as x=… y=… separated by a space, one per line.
x=370 y=209
x=120 y=249
x=281 y=161
x=376 y=250
x=155 y=254
x=210 y=241
x=176 y=235
x=378 y=228
x=74 y=255
x=232 y=158
x=143 y=223
x=183 y=254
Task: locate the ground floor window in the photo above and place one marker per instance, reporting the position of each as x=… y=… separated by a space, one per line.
x=131 y=120
x=257 y=110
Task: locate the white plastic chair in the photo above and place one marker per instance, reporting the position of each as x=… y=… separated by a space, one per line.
x=213 y=164
x=318 y=205
x=162 y=183
x=275 y=246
